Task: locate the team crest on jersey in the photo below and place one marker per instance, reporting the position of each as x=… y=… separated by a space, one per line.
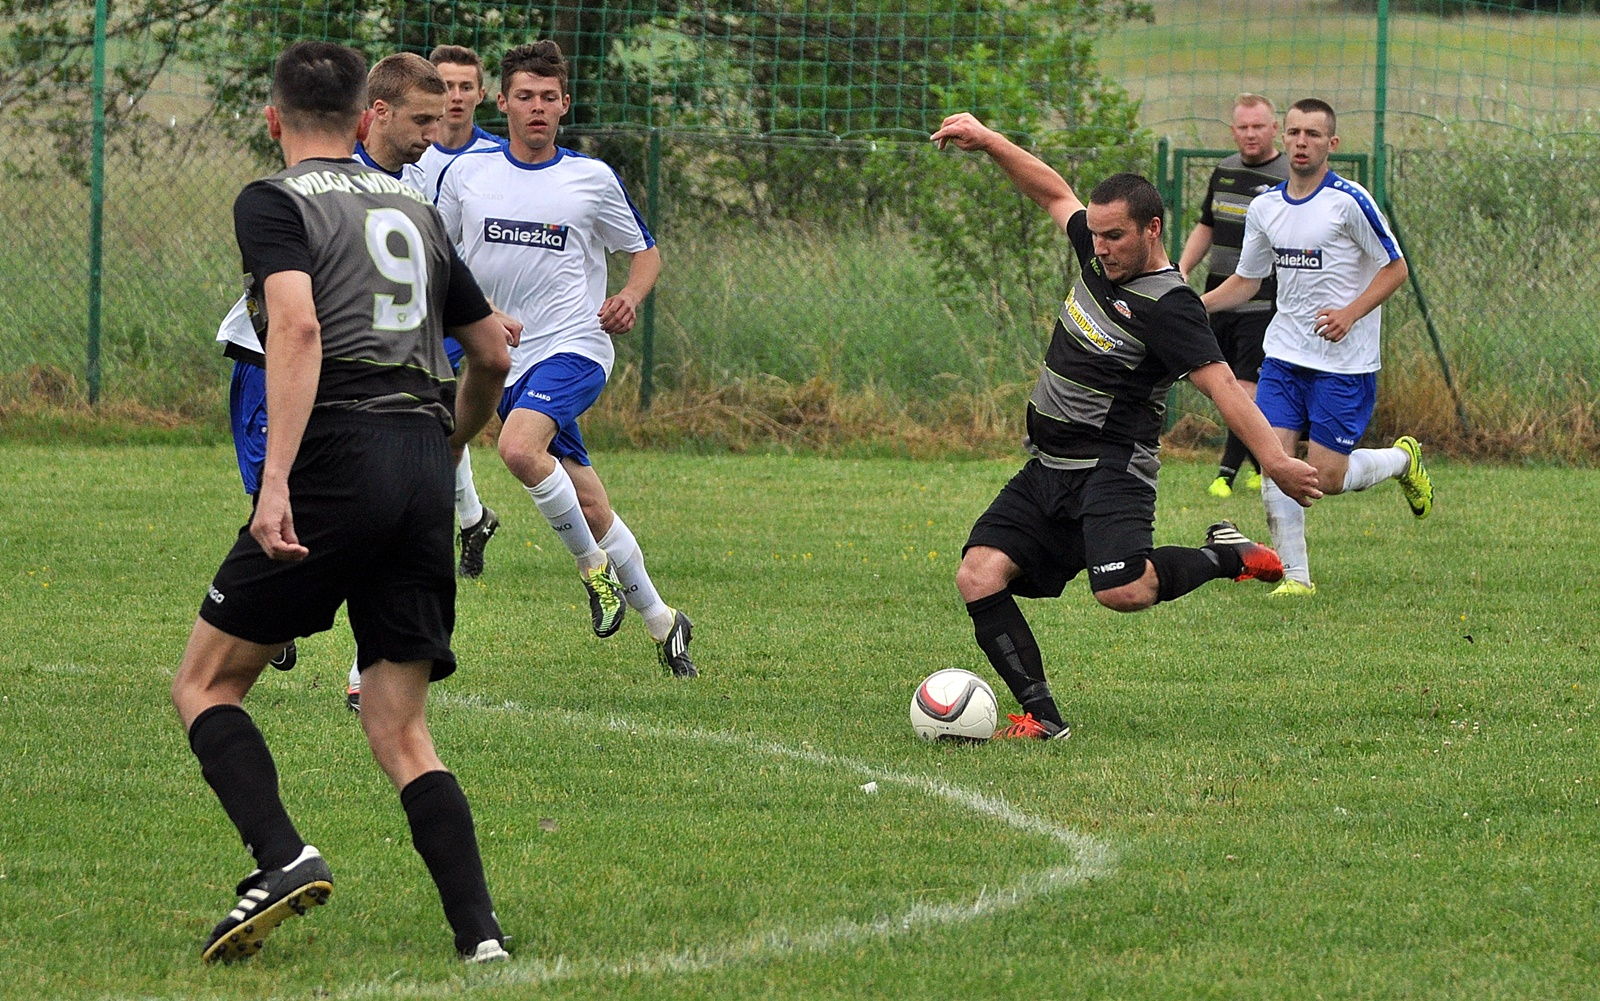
x=1122 y=307
x=1306 y=259
x=544 y=235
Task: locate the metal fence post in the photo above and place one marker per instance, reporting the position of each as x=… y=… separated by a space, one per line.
x=97 y=179
x=1380 y=164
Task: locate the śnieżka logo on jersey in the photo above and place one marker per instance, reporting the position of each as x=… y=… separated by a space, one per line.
x=544 y=235
x=1309 y=259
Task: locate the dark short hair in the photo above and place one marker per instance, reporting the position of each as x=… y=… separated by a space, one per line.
x=457 y=55
x=320 y=86
x=393 y=77
x=1309 y=104
x=541 y=58
x=1144 y=201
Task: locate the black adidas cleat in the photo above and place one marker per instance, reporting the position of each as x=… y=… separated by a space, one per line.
x=472 y=542
x=673 y=652
x=1257 y=562
x=266 y=900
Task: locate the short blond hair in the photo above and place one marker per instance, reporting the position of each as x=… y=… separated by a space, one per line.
x=1249 y=100
x=393 y=77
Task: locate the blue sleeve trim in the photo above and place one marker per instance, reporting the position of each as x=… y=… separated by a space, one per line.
x=1370 y=211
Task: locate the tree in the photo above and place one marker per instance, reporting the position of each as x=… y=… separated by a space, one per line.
x=49 y=65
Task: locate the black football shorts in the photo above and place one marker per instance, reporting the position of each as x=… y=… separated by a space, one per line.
x=1054 y=523
x=373 y=499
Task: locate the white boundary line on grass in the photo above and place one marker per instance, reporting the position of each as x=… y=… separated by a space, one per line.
x=1091 y=859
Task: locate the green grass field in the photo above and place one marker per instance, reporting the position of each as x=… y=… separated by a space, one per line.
x=1390 y=791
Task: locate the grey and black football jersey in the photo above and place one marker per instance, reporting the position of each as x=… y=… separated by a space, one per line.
x=1231 y=189
x=382 y=276
x=1115 y=351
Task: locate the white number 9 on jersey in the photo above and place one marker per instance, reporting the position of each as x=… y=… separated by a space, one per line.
x=411 y=270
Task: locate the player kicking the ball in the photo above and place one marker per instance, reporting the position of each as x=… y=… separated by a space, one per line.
x=1086 y=500
x=534 y=222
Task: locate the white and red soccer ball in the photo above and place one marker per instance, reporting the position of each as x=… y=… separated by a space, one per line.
x=954 y=704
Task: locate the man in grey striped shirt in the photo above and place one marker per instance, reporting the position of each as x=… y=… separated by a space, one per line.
x=1258 y=166
x=1086 y=499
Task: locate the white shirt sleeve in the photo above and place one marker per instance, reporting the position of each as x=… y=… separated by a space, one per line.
x=618 y=223
x=1370 y=230
x=449 y=205
x=1255 y=258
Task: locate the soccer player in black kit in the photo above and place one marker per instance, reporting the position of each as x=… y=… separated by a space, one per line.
x=1086 y=500
x=355 y=506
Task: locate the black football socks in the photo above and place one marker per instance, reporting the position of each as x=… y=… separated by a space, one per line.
x=443 y=834
x=238 y=766
x=1004 y=637
x=1180 y=569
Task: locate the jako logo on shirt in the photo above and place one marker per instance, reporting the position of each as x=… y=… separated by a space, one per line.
x=546 y=235
x=1305 y=260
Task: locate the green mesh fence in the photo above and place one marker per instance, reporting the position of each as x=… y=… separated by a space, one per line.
x=779 y=153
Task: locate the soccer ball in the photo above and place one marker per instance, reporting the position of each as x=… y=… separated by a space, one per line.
x=954 y=705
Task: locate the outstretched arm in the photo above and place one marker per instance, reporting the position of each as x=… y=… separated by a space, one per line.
x=1234 y=291
x=1032 y=176
x=1295 y=478
x=1194 y=248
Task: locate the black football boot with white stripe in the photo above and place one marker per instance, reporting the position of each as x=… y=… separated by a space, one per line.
x=266 y=900
x=673 y=652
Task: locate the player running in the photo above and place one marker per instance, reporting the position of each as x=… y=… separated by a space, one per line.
x=1337 y=262
x=357 y=283
x=535 y=221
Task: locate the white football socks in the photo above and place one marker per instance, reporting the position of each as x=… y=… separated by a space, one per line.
x=637 y=587
x=1369 y=466
x=469 y=509
x=1286 y=520
x=557 y=499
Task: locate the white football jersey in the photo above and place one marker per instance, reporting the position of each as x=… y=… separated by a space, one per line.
x=1327 y=248
x=536 y=238
x=236 y=327
x=435 y=158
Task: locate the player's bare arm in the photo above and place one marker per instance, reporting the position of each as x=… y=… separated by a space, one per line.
x=1333 y=324
x=1194 y=248
x=619 y=313
x=1234 y=291
x=1032 y=176
x=1297 y=479
x=294 y=369
x=484 y=374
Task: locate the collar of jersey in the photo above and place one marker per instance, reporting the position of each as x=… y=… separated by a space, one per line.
x=477 y=133
x=561 y=152
x=1327 y=182
x=366 y=158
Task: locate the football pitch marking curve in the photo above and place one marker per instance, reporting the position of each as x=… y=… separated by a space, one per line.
x=1090 y=859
